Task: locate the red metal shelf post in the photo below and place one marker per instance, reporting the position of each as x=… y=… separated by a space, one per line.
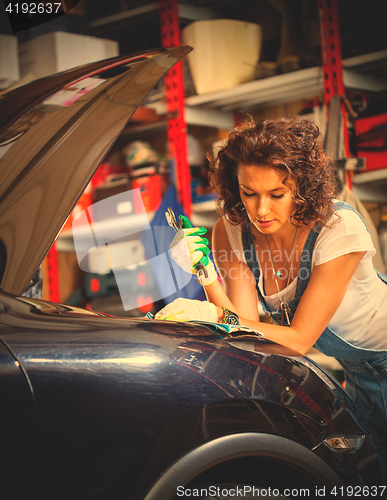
x=174 y=94
x=52 y=270
x=331 y=59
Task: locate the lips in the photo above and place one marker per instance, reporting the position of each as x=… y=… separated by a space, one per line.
x=264 y=223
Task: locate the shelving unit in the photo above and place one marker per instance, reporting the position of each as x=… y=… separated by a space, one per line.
x=364 y=72
x=302 y=84
x=217 y=109
x=367 y=72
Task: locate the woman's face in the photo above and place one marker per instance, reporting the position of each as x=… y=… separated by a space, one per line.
x=268 y=202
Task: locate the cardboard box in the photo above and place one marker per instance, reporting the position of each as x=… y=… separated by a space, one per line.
x=371 y=140
x=226 y=53
x=58 y=51
x=9 y=59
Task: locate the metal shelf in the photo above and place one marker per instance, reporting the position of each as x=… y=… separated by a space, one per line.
x=217 y=109
x=301 y=84
x=288 y=86
x=371 y=186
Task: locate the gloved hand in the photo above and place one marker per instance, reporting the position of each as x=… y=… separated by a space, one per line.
x=189 y=249
x=189 y=310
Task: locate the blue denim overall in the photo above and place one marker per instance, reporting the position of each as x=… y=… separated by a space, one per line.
x=365 y=370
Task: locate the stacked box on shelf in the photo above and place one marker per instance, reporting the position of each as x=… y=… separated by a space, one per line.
x=9 y=59
x=58 y=51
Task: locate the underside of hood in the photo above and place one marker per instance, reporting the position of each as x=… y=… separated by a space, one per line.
x=54 y=133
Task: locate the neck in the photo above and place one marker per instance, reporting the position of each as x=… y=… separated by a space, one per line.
x=283 y=238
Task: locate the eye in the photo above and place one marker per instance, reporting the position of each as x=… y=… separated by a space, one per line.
x=247 y=194
x=277 y=196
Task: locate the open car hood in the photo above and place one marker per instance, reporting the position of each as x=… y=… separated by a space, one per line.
x=54 y=133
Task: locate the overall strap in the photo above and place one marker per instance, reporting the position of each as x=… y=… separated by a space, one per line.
x=252 y=261
x=305 y=269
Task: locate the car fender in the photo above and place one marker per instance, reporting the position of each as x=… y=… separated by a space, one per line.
x=200 y=440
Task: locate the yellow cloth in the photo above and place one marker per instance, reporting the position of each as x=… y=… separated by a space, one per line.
x=189 y=310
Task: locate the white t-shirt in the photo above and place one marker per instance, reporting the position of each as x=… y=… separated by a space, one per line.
x=361 y=318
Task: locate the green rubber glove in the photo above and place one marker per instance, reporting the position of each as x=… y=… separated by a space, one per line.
x=185 y=223
x=190 y=251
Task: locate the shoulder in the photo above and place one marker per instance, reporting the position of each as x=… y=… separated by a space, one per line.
x=346 y=232
x=227 y=236
x=220 y=235
x=345 y=221
x=224 y=229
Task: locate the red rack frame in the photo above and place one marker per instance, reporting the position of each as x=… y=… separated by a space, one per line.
x=331 y=59
x=174 y=95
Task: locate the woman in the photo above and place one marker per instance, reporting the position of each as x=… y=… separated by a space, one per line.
x=306 y=256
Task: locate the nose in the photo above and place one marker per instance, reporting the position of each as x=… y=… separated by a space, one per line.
x=263 y=207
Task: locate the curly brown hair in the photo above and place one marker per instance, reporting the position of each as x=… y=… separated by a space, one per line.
x=289 y=146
